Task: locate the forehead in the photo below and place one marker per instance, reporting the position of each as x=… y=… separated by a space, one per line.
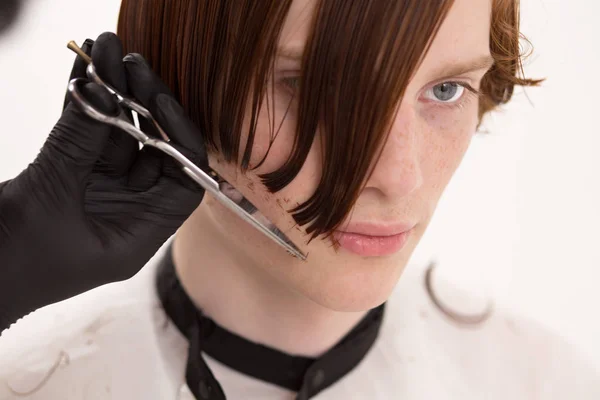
x=464 y=34
x=297 y=24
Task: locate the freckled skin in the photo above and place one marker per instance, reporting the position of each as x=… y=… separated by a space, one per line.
x=278 y=201
x=426 y=145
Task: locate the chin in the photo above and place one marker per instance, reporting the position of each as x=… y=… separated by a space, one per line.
x=357 y=285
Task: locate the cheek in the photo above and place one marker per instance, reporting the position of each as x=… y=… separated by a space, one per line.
x=303 y=186
x=273 y=136
x=449 y=136
x=273 y=143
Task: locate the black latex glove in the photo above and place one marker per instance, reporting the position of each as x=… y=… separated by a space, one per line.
x=93 y=208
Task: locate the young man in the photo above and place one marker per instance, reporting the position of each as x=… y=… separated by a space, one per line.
x=368 y=108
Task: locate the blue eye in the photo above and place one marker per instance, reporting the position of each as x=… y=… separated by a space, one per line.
x=447 y=92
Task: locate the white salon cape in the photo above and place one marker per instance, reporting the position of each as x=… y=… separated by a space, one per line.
x=115 y=342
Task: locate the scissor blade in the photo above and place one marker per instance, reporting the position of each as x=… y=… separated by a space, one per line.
x=230 y=197
x=238 y=198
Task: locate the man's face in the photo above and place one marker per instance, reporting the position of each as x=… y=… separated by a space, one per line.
x=430 y=134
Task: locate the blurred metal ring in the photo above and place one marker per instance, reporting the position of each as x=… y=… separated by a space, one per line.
x=62 y=360
x=459 y=318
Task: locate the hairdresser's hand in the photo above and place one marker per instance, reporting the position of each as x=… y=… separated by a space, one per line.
x=93 y=208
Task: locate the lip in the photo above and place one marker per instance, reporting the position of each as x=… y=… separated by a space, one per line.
x=379 y=230
x=370 y=240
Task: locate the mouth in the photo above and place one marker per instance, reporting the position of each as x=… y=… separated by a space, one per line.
x=369 y=240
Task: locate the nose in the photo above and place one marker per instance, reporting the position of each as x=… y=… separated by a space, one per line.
x=397 y=172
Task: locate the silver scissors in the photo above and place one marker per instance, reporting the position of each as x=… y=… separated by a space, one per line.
x=224 y=192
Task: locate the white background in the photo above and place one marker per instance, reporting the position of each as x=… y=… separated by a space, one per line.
x=520 y=219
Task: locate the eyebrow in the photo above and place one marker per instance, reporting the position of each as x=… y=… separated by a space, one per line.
x=484 y=62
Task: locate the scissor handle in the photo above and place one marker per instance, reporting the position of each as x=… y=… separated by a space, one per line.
x=126 y=101
x=121 y=121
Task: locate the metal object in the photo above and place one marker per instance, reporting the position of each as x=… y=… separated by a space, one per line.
x=123 y=100
x=222 y=191
x=62 y=360
x=454 y=316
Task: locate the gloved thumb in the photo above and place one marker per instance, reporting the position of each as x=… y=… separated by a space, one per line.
x=77 y=140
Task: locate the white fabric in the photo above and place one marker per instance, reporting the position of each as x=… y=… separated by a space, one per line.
x=116 y=342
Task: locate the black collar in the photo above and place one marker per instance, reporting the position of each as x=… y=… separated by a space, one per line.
x=307 y=376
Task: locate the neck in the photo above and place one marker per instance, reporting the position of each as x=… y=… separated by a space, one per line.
x=243 y=298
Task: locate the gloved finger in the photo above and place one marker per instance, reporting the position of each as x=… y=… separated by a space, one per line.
x=173 y=171
x=146 y=170
x=165 y=207
x=107 y=56
x=171 y=116
x=100 y=98
x=145 y=85
x=118 y=155
x=143 y=82
x=148 y=88
x=79 y=66
x=120 y=152
x=77 y=140
x=148 y=127
x=151 y=165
